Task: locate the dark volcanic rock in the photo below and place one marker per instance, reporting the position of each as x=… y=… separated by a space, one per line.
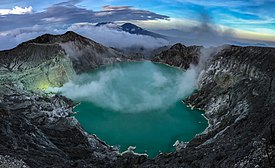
x=39 y=131
x=179 y=55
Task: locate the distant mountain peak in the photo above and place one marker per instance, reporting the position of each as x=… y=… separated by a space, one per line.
x=134 y=29
x=130 y=25
x=130 y=28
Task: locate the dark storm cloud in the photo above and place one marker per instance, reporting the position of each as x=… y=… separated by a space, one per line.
x=67 y=13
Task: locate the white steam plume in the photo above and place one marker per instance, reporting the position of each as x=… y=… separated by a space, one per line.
x=159 y=92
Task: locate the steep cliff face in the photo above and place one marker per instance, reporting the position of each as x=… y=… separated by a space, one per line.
x=238 y=77
x=52 y=60
x=236 y=91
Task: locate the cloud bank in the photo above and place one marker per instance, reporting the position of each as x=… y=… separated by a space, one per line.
x=14 y=37
x=112 y=37
x=105 y=34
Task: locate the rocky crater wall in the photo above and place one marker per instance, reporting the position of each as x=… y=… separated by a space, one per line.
x=236 y=90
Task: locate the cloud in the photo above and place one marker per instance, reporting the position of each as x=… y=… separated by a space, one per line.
x=228 y=3
x=206 y=32
x=113 y=37
x=239 y=14
x=67 y=13
x=215 y=3
x=14 y=37
x=16 y=11
x=10 y=41
x=69 y=3
x=126 y=13
x=116 y=8
x=202 y=32
x=249 y=21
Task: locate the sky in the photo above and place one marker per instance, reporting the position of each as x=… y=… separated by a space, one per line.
x=243 y=22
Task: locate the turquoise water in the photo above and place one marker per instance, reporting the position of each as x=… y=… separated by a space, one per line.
x=137 y=104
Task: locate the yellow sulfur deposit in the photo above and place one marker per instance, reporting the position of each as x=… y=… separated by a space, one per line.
x=43 y=85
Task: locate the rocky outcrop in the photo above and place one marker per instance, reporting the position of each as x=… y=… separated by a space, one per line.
x=179 y=55
x=52 y=60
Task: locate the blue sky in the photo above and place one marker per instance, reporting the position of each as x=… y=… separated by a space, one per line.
x=251 y=15
x=248 y=19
